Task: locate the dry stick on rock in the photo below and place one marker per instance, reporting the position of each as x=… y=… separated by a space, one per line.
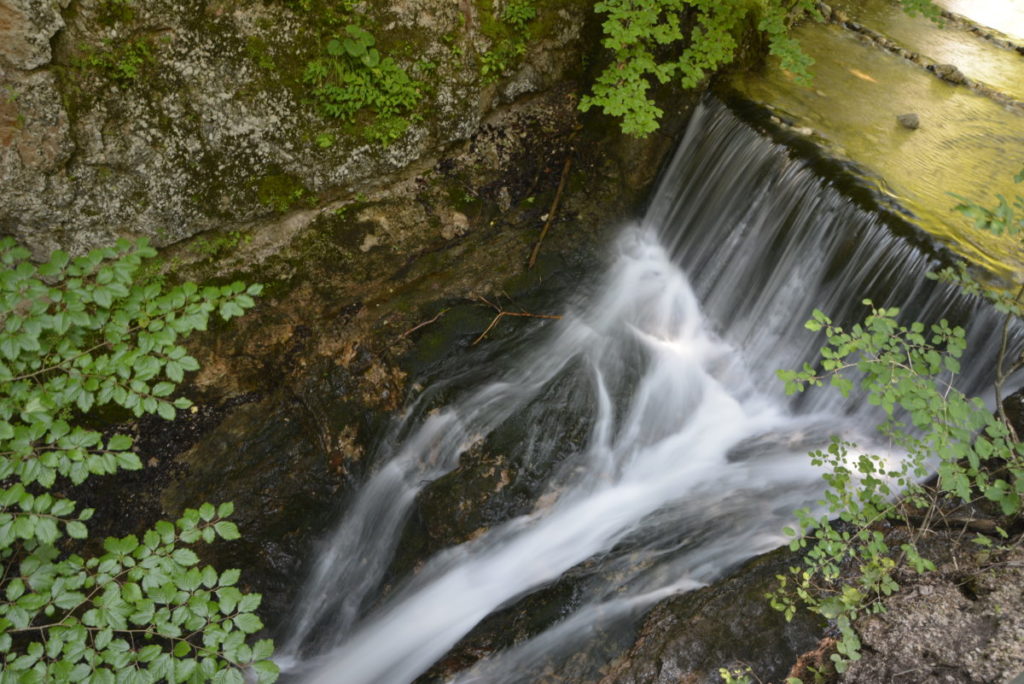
x=551 y=212
x=413 y=329
x=501 y=313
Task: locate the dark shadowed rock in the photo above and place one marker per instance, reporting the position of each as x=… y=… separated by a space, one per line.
x=688 y=638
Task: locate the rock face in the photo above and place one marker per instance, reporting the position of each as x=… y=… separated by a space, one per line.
x=26 y=27
x=963 y=624
x=170 y=118
x=687 y=639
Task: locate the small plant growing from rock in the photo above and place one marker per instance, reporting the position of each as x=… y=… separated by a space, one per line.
x=352 y=80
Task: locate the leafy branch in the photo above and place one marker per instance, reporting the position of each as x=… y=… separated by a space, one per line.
x=909 y=371
x=76 y=334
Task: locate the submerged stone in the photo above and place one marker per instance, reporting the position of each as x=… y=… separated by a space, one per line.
x=911 y=121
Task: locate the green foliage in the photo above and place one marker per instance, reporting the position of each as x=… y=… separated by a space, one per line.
x=211 y=246
x=926 y=8
x=908 y=371
x=735 y=675
x=280 y=191
x=77 y=334
x=352 y=77
x=1006 y=217
x=508 y=30
x=639 y=33
x=649 y=45
x=519 y=13
x=122 y=63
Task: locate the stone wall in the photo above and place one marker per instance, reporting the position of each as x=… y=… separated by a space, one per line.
x=168 y=118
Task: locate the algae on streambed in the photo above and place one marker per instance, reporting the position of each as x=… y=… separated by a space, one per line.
x=966 y=144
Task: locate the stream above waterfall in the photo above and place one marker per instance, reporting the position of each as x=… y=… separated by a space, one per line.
x=872 y=64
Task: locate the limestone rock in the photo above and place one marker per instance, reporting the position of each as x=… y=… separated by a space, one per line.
x=26 y=27
x=169 y=119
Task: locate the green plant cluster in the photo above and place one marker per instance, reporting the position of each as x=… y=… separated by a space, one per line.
x=641 y=32
x=909 y=371
x=352 y=77
x=659 y=41
x=926 y=8
x=280 y=191
x=123 y=63
x=508 y=29
x=78 y=334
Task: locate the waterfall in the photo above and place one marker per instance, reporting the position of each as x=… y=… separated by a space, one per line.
x=660 y=447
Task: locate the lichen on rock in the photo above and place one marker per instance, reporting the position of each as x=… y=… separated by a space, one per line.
x=168 y=118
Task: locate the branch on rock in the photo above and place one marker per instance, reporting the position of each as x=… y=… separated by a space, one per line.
x=552 y=211
x=424 y=324
x=502 y=313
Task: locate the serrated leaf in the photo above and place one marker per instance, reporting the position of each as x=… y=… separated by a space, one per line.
x=119 y=443
x=185 y=557
x=248 y=623
x=76 y=529
x=227 y=530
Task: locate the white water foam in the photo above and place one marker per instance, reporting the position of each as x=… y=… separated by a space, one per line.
x=670 y=403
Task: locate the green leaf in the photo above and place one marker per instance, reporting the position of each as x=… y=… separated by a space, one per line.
x=119 y=443
x=248 y=623
x=76 y=530
x=266 y=671
x=227 y=530
x=230 y=577
x=166 y=410
x=128 y=460
x=185 y=557
x=249 y=603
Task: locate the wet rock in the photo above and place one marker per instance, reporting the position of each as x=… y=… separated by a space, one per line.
x=949 y=73
x=686 y=639
x=911 y=121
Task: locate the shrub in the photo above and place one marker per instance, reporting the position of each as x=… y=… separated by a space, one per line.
x=909 y=371
x=78 y=334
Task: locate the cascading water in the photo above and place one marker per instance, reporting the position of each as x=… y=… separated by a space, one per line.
x=649 y=414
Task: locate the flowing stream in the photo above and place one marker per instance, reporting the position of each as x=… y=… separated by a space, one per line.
x=661 y=450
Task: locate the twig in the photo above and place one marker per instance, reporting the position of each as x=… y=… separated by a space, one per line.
x=413 y=329
x=501 y=313
x=551 y=211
